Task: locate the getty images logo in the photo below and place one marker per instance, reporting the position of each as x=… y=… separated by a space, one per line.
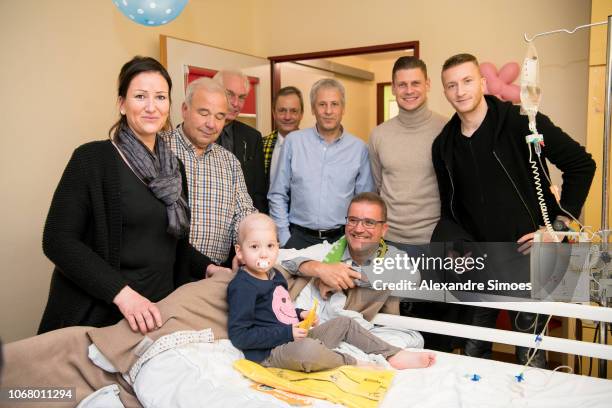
x=412 y=264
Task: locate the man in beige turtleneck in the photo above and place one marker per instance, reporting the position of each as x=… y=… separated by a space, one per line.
x=400 y=157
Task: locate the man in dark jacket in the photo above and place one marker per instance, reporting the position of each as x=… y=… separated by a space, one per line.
x=487 y=190
x=242 y=140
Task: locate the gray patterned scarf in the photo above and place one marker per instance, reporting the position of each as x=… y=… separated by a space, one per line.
x=160 y=172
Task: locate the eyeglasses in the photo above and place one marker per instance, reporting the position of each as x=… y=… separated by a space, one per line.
x=366 y=222
x=232 y=95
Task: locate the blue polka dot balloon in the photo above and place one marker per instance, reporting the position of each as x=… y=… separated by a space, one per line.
x=151 y=12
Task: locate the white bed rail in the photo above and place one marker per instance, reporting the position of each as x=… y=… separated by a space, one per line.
x=578 y=311
x=582 y=348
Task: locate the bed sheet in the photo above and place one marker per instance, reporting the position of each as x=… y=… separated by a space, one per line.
x=202 y=375
x=449 y=384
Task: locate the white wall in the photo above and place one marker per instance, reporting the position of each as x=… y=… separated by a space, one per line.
x=60 y=61
x=491 y=30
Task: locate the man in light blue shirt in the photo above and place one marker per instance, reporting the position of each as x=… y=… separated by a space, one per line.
x=320 y=169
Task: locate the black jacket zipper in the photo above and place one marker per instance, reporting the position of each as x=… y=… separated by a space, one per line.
x=452 y=193
x=450 y=177
x=535 y=224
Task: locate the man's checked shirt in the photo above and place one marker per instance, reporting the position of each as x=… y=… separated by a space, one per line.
x=218 y=196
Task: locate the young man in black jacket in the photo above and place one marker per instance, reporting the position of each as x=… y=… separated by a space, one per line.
x=487 y=191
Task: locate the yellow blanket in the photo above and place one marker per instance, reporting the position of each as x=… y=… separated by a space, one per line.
x=349 y=385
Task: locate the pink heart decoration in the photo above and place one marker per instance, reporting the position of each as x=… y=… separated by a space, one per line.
x=500 y=83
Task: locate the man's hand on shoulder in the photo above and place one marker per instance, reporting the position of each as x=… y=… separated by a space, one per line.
x=213 y=269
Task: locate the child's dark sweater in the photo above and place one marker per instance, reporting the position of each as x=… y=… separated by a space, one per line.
x=261 y=314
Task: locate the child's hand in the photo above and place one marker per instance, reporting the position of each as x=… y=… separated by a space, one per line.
x=304 y=314
x=298 y=333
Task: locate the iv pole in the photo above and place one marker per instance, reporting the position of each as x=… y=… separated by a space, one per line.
x=605 y=197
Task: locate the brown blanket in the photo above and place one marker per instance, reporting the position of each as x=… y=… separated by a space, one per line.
x=59 y=358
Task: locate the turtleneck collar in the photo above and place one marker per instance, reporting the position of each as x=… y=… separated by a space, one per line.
x=415 y=118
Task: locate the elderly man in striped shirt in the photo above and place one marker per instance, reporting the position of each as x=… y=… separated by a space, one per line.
x=218 y=195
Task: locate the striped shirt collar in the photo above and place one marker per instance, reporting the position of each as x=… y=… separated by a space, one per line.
x=187 y=143
x=218 y=196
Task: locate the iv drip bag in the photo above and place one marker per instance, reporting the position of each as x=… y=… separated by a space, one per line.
x=530 y=86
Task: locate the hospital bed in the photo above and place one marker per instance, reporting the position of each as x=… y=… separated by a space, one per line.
x=201 y=373
x=454 y=381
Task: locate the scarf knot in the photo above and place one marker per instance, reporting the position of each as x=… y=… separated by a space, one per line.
x=160 y=172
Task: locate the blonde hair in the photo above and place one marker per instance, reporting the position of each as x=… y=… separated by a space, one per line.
x=246 y=224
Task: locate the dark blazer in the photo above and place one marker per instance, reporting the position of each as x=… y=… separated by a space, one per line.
x=82 y=237
x=248 y=148
x=269 y=142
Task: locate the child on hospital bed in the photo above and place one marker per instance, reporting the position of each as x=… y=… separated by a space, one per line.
x=263 y=322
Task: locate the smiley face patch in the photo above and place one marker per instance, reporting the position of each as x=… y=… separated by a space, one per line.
x=282 y=306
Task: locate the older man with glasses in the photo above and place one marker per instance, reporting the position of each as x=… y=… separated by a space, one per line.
x=241 y=139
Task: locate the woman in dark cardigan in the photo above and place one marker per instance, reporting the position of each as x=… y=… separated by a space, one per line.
x=118 y=227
